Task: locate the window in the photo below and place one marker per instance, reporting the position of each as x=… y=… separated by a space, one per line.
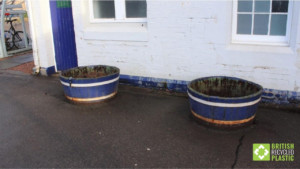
x=118 y=10
x=262 y=21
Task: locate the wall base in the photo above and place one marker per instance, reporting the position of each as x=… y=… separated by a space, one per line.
x=47 y=71
x=149 y=82
x=269 y=95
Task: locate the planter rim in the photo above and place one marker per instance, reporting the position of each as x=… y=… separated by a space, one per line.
x=226 y=98
x=67 y=78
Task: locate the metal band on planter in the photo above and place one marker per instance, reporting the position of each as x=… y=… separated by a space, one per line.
x=224 y=104
x=90 y=84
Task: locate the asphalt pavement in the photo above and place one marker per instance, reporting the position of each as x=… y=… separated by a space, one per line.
x=139 y=128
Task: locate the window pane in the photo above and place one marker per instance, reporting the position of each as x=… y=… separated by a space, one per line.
x=261 y=23
x=244 y=24
x=262 y=6
x=280 y=5
x=245 y=5
x=136 y=9
x=104 y=8
x=278 y=25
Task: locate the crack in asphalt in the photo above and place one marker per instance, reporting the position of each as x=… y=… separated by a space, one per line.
x=237 y=151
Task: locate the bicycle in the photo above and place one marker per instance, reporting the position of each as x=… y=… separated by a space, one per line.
x=13 y=38
x=9 y=2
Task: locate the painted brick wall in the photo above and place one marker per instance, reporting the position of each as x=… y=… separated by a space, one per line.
x=186 y=40
x=40 y=19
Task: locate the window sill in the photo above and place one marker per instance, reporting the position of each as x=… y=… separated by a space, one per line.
x=137 y=35
x=130 y=20
x=260 y=43
x=260 y=40
x=282 y=48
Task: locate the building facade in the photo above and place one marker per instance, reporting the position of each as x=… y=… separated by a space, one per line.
x=155 y=42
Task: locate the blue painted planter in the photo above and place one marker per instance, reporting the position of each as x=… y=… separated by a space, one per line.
x=90 y=83
x=225 y=101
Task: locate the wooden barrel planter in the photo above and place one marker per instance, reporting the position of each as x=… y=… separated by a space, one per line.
x=224 y=101
x=90 y=84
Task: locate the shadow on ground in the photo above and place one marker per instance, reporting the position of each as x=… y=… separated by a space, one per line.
x=138 y=128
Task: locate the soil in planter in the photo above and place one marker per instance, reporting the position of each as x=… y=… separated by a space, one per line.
x=225 y=87
x=90 y=72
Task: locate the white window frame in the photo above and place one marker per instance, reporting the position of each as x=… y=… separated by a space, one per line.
x=261 y=39
x=120 y=14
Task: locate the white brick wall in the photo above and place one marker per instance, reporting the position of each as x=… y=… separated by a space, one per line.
x=40 y=19
x=187 y=40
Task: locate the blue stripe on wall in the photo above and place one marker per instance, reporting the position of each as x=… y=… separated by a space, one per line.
x=173 y=85
x=268 y=96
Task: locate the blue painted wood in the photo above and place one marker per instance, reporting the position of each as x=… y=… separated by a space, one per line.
x=50 y=70
x=222 y=109
x=91 y=92
x=88 y=80
x=223 y=113
x=63 y=36
x=101 y=88
x=222 y=100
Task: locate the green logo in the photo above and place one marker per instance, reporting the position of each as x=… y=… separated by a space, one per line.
x=261 y=152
